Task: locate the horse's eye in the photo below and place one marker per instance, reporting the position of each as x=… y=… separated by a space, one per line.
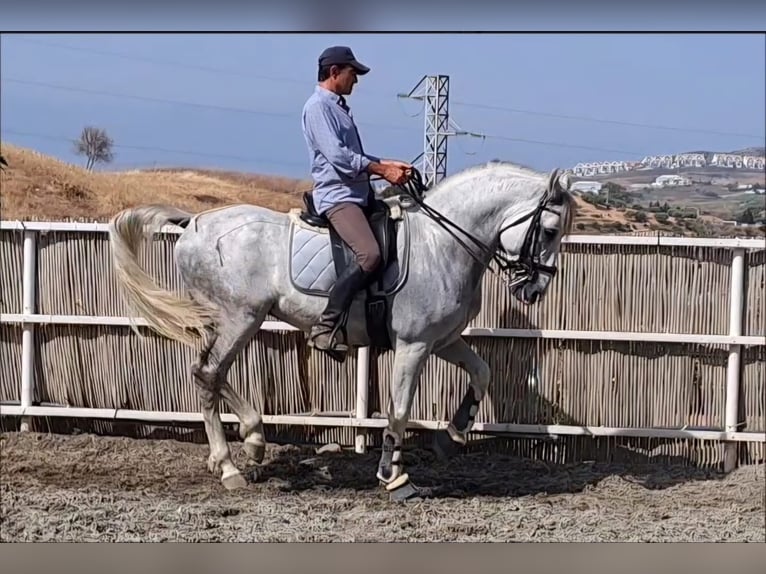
x=550 y=234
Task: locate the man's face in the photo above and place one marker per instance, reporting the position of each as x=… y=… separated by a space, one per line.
x=345 y=79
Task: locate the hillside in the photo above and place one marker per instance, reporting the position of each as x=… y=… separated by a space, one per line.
x=39 y=187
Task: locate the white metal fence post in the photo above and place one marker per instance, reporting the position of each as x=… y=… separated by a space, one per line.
x=29 y=292
x=362 y=394
x=737 y=302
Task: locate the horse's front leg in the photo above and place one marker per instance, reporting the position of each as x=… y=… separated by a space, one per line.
x=409 y=360
x=460 y=354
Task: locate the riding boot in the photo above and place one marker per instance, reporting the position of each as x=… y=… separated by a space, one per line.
x=327 y=335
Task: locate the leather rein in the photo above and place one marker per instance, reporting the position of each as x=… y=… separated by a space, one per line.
x=511 y=271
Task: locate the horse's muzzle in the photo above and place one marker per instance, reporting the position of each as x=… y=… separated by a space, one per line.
x=527 y=293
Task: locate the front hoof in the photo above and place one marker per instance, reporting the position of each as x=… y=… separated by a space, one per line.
x=444 y=447
x=233 y=480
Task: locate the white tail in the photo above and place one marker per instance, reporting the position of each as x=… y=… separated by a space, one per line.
x=174 y=317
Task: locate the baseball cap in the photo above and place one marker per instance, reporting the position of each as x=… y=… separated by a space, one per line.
x=339 y=55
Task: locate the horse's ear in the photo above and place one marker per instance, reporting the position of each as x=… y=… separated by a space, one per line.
x=552 y=181
x=563 y=182
x=559 y=182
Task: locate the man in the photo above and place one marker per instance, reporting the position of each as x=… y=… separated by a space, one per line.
x=341 y=172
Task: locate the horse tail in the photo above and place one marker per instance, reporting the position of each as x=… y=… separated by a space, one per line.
x=179 y=318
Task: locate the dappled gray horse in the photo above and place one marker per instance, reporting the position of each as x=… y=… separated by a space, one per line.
x=240 y=263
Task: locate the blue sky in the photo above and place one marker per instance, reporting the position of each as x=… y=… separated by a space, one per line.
x=249 y=90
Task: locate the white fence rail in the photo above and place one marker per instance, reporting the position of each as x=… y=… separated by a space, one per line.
x=361 y=419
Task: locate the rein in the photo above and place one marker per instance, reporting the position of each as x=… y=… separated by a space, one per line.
x=515 y=271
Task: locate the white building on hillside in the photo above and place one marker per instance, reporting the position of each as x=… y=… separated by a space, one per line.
x=587 y=187
x=671 y=181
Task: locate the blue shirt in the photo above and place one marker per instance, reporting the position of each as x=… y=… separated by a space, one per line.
x=338 y=162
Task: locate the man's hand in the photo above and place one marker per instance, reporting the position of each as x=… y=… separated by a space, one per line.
x=397 y=163
x=394 y=172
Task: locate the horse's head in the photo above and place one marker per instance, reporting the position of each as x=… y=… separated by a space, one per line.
x=534 y=239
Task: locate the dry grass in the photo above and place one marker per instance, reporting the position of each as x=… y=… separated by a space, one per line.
x=38 y=187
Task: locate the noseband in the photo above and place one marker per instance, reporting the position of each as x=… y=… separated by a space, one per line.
x=526 y=267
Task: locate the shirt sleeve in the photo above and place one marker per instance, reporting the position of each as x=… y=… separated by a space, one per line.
x=323 y=131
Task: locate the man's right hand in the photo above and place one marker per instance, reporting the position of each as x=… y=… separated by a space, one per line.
x=395 y=174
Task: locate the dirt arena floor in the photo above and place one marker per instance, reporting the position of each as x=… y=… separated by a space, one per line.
x=91 y=488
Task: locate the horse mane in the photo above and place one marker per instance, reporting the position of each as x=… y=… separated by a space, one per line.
x=562 y=195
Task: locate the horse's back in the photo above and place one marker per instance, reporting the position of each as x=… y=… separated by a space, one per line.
x=240 y=230
x=238 y=214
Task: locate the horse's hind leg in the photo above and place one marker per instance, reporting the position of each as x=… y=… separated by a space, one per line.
x=233 y=332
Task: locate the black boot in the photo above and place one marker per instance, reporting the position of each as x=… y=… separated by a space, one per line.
x=328 y=334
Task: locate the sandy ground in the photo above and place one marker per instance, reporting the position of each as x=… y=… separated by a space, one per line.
x=90 y=488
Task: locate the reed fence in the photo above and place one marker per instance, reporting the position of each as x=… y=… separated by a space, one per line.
x=646 y=347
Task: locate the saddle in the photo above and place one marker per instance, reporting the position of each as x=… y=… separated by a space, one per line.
x=385 y=228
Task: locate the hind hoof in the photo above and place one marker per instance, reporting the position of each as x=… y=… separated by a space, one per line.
x=233 y=481
x=444 y=447
x=402 y=490
x=255 y=452
x=410 y=493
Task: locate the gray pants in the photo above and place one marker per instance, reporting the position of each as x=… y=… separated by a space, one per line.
x=351 y=224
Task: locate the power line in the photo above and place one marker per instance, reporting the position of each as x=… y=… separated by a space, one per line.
x=290 y=115
x=171 y=63
x=159 y=149
x=474 y=105
x=174 y=64
x=180 y=102
x=603 y=121
x=564 y=145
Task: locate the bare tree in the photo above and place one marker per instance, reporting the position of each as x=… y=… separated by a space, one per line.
x=96 y=145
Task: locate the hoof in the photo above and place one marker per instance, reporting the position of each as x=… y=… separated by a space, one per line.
x=234 y=480
x=444 y=447
x=402 y=490
x=255 y=452
x=253 y=473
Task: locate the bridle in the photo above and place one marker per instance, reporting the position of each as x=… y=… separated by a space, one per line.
x=526 y=267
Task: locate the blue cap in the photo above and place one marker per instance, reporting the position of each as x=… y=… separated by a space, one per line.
x=340 y=55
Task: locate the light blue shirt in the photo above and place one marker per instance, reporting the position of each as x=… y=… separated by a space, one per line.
x=338 y=161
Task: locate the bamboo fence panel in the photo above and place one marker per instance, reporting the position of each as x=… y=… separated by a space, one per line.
x=599 y=287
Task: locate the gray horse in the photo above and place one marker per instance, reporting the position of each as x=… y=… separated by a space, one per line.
x=240 y=263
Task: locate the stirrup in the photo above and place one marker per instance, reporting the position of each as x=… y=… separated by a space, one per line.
x=335 y=353
x=335 y=347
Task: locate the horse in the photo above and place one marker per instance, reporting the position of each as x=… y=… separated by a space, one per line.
x=240 y=263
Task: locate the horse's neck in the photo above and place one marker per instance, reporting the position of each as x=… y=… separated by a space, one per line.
x=477 y=211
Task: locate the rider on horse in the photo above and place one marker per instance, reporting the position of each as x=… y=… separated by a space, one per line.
x=342 y=193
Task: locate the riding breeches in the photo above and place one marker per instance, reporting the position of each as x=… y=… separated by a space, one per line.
x=351 y=224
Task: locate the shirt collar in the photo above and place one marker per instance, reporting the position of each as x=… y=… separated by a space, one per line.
x=332 y=96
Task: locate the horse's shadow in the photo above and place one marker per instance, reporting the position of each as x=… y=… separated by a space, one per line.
x=512 y=465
